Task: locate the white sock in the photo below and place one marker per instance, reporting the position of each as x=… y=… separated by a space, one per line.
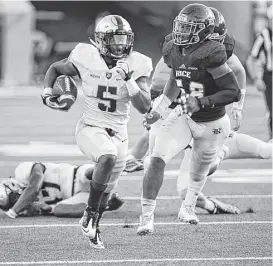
x=148 y=206
x=194 y=188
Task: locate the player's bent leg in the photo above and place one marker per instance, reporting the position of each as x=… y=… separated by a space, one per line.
x=97 y=145
x=173 y=137
x=205 y=149
x=72 y=207
x=245 y=146
x=134 y=160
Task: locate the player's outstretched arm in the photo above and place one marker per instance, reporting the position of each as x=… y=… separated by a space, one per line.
x=31 y=192
x=240 y=74
x=159 y=78
x=239 y=71
x=142 y=99
x=229 y=90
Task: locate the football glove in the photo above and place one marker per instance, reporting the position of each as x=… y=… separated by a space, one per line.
x=122 y=68
x=51 y=101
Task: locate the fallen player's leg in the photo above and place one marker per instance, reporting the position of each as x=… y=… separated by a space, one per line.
x=134 y=160
x=212 y=205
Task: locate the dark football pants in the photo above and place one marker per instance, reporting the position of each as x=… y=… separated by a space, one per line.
x=267 y=77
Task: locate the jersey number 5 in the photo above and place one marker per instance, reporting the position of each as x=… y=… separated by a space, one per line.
x=112 y=103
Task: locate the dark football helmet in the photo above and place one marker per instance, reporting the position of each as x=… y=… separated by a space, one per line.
x=194 y=24
x=220 y=29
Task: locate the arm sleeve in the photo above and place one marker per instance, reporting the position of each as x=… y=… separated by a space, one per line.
x=257 y=46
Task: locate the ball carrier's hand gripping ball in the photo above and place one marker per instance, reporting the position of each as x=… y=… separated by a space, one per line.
x=65 y=90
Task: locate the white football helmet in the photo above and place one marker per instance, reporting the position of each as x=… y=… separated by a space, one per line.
x=10 y=191
x=114 y=37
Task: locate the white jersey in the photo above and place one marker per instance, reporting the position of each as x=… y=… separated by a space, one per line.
x=107 y=102
x=60 y=181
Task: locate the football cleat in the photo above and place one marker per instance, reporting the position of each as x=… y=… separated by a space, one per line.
x=221 y=207
x=114 y=203
x=96 y=242
x=134 y=165
x=146 y=225
x=88 y=223
x=187 y=214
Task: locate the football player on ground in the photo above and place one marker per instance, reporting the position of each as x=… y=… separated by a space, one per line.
x=62 y=190
x=200 y=70
x=113 y=76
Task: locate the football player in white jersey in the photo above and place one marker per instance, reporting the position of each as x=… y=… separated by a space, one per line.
x=60 y=189
x=113 y=76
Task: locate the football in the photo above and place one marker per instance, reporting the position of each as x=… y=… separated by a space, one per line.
x=65 y=86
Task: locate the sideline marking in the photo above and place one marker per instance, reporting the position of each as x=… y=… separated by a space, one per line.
x=122 y=224
x=134 y=260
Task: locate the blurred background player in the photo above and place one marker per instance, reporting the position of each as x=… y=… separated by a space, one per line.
x=263 y=77
x=61 y=189
x=196 y=62
x=113 y=76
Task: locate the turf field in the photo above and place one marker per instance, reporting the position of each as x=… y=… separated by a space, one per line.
x=30 y=131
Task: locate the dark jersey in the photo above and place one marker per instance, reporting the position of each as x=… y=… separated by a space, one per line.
x=229 y=43
x=190 y=73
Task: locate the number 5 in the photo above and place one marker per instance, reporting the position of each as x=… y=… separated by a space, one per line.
x=113 y=103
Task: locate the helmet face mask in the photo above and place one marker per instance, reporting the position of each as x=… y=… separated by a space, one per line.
x=114 y=41
x=193 y=25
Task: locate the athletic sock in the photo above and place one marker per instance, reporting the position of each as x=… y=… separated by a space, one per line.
x=148 y=206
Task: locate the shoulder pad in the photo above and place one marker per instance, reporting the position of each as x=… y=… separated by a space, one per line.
x=229 y=43
x=82 y=54
x=216 y=56
x=140 y=64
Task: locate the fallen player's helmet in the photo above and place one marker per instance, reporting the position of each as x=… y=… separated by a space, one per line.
x=10 y=191
x=220 y=29
x=194 y=24
x=114 y=37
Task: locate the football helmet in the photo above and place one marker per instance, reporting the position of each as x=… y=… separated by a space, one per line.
x=194 y=24
x=220 y=29
x=10 y=191
x=114 y=37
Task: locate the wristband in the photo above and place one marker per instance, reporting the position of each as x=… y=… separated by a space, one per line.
x=132 y=87
x=47 y=91
x=162 y=104
x=11 y=213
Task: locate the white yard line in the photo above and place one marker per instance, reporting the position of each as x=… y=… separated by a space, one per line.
x=133 y=224
x=140 y=261
x=215 y=196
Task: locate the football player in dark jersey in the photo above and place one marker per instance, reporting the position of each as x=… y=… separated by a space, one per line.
x=200 y=70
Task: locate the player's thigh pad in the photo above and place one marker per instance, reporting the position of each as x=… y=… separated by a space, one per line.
x=206 y=147
x=172 y=137
x=155 y=128
x=95 y=142
x=122 y=148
